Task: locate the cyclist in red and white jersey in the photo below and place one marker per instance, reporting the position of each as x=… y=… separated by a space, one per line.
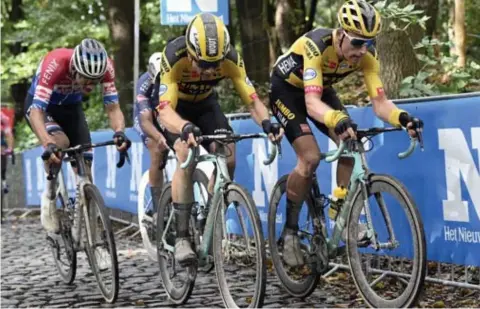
x=53 y=106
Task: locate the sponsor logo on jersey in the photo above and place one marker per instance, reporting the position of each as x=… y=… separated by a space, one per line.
x=312 y=48
x=305 y=128
x=284 y=110
x=47 y=74
x=163 y=89
x=286 y=65
x=309 y=74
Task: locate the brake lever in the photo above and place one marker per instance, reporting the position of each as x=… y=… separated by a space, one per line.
x=419 y=138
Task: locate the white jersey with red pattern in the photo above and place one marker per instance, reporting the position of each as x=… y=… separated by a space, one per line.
x=54 y=82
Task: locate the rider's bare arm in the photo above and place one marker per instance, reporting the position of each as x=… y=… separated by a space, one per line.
x=258 y=111
x=115 y=115
x=316 y=108
x=38 y=125
x=383 y=107
x=170 y=119
x=146 y=123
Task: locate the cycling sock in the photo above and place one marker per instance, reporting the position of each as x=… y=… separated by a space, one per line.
x=155 y=191
x=293 y=212
x=182 y=219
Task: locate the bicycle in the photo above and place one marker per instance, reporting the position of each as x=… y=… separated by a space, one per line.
x=79 y=213
x=228 y=196
x=147 y=214
x=318 y=247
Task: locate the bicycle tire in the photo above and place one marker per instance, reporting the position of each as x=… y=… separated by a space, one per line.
x=261 y=269
x=177 y=295
x=198 y=177
x=67 y=276
x=295 y=288
x=92 y=193
x=414 y=288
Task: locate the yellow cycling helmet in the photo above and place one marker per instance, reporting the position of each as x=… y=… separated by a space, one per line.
x=360 y=17
x=207 y=38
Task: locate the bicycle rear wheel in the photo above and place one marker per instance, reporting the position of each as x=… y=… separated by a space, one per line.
x=100 y=248
x=177 y=281
x=63 y=252
x=408 y=229
x=246 y=249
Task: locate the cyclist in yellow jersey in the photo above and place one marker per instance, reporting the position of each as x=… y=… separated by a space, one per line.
x=301 y=87
x=191 y=66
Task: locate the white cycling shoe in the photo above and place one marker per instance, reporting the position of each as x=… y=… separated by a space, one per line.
x=48 y=214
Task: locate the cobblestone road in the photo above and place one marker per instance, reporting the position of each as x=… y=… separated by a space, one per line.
x=29 y=279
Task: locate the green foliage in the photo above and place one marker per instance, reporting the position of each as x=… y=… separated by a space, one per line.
x=48 y=25
x=24 y=136
x=401 y=18
x=439 y=74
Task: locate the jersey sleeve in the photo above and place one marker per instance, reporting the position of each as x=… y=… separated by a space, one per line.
x=144 y=86
x=312 y=67
x=371 y=73
x=234 y=68
x=50 y=71
x=168 y=87
x=110 y=93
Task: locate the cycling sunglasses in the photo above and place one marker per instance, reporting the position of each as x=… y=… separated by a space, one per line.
x=205 y=65
x=79 y=77
x=358 y=42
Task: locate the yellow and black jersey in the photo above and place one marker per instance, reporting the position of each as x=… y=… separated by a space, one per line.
x=178 y=80
x=311 y=63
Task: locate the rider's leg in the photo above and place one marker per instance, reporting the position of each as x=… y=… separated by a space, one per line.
x=182 y=196
x=157 y=153
x=48 y=215
x=298 y=185
x=230 y=152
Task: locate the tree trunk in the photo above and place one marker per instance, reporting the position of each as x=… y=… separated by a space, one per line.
x=120 y=22
x=311 y=15
x=19 y=90
x=289 y=21
x=255 y=43
x=459 y=32
x=397 y=60
x=396 y=54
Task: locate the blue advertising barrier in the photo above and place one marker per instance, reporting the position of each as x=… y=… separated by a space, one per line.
x=444 y=180
x=180 y=12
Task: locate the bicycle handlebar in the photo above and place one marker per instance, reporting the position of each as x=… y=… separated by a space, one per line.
x=83 y=147
x=231 y=138
x=373 y=132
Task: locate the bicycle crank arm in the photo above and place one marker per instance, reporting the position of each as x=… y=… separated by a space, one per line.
x=388 y=245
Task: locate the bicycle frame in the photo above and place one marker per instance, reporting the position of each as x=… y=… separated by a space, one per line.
x=82 y=180
x=359 y=178
x=221 y=179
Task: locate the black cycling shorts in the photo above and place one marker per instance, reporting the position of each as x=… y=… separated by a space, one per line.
x=205 y=114
x=68 y=118
x=288 y=106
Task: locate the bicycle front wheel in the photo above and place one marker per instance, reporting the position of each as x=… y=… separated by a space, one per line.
x=401 y=252
x=177 y=280
x=101 y=249
x=239 y=250
x=63 y=252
